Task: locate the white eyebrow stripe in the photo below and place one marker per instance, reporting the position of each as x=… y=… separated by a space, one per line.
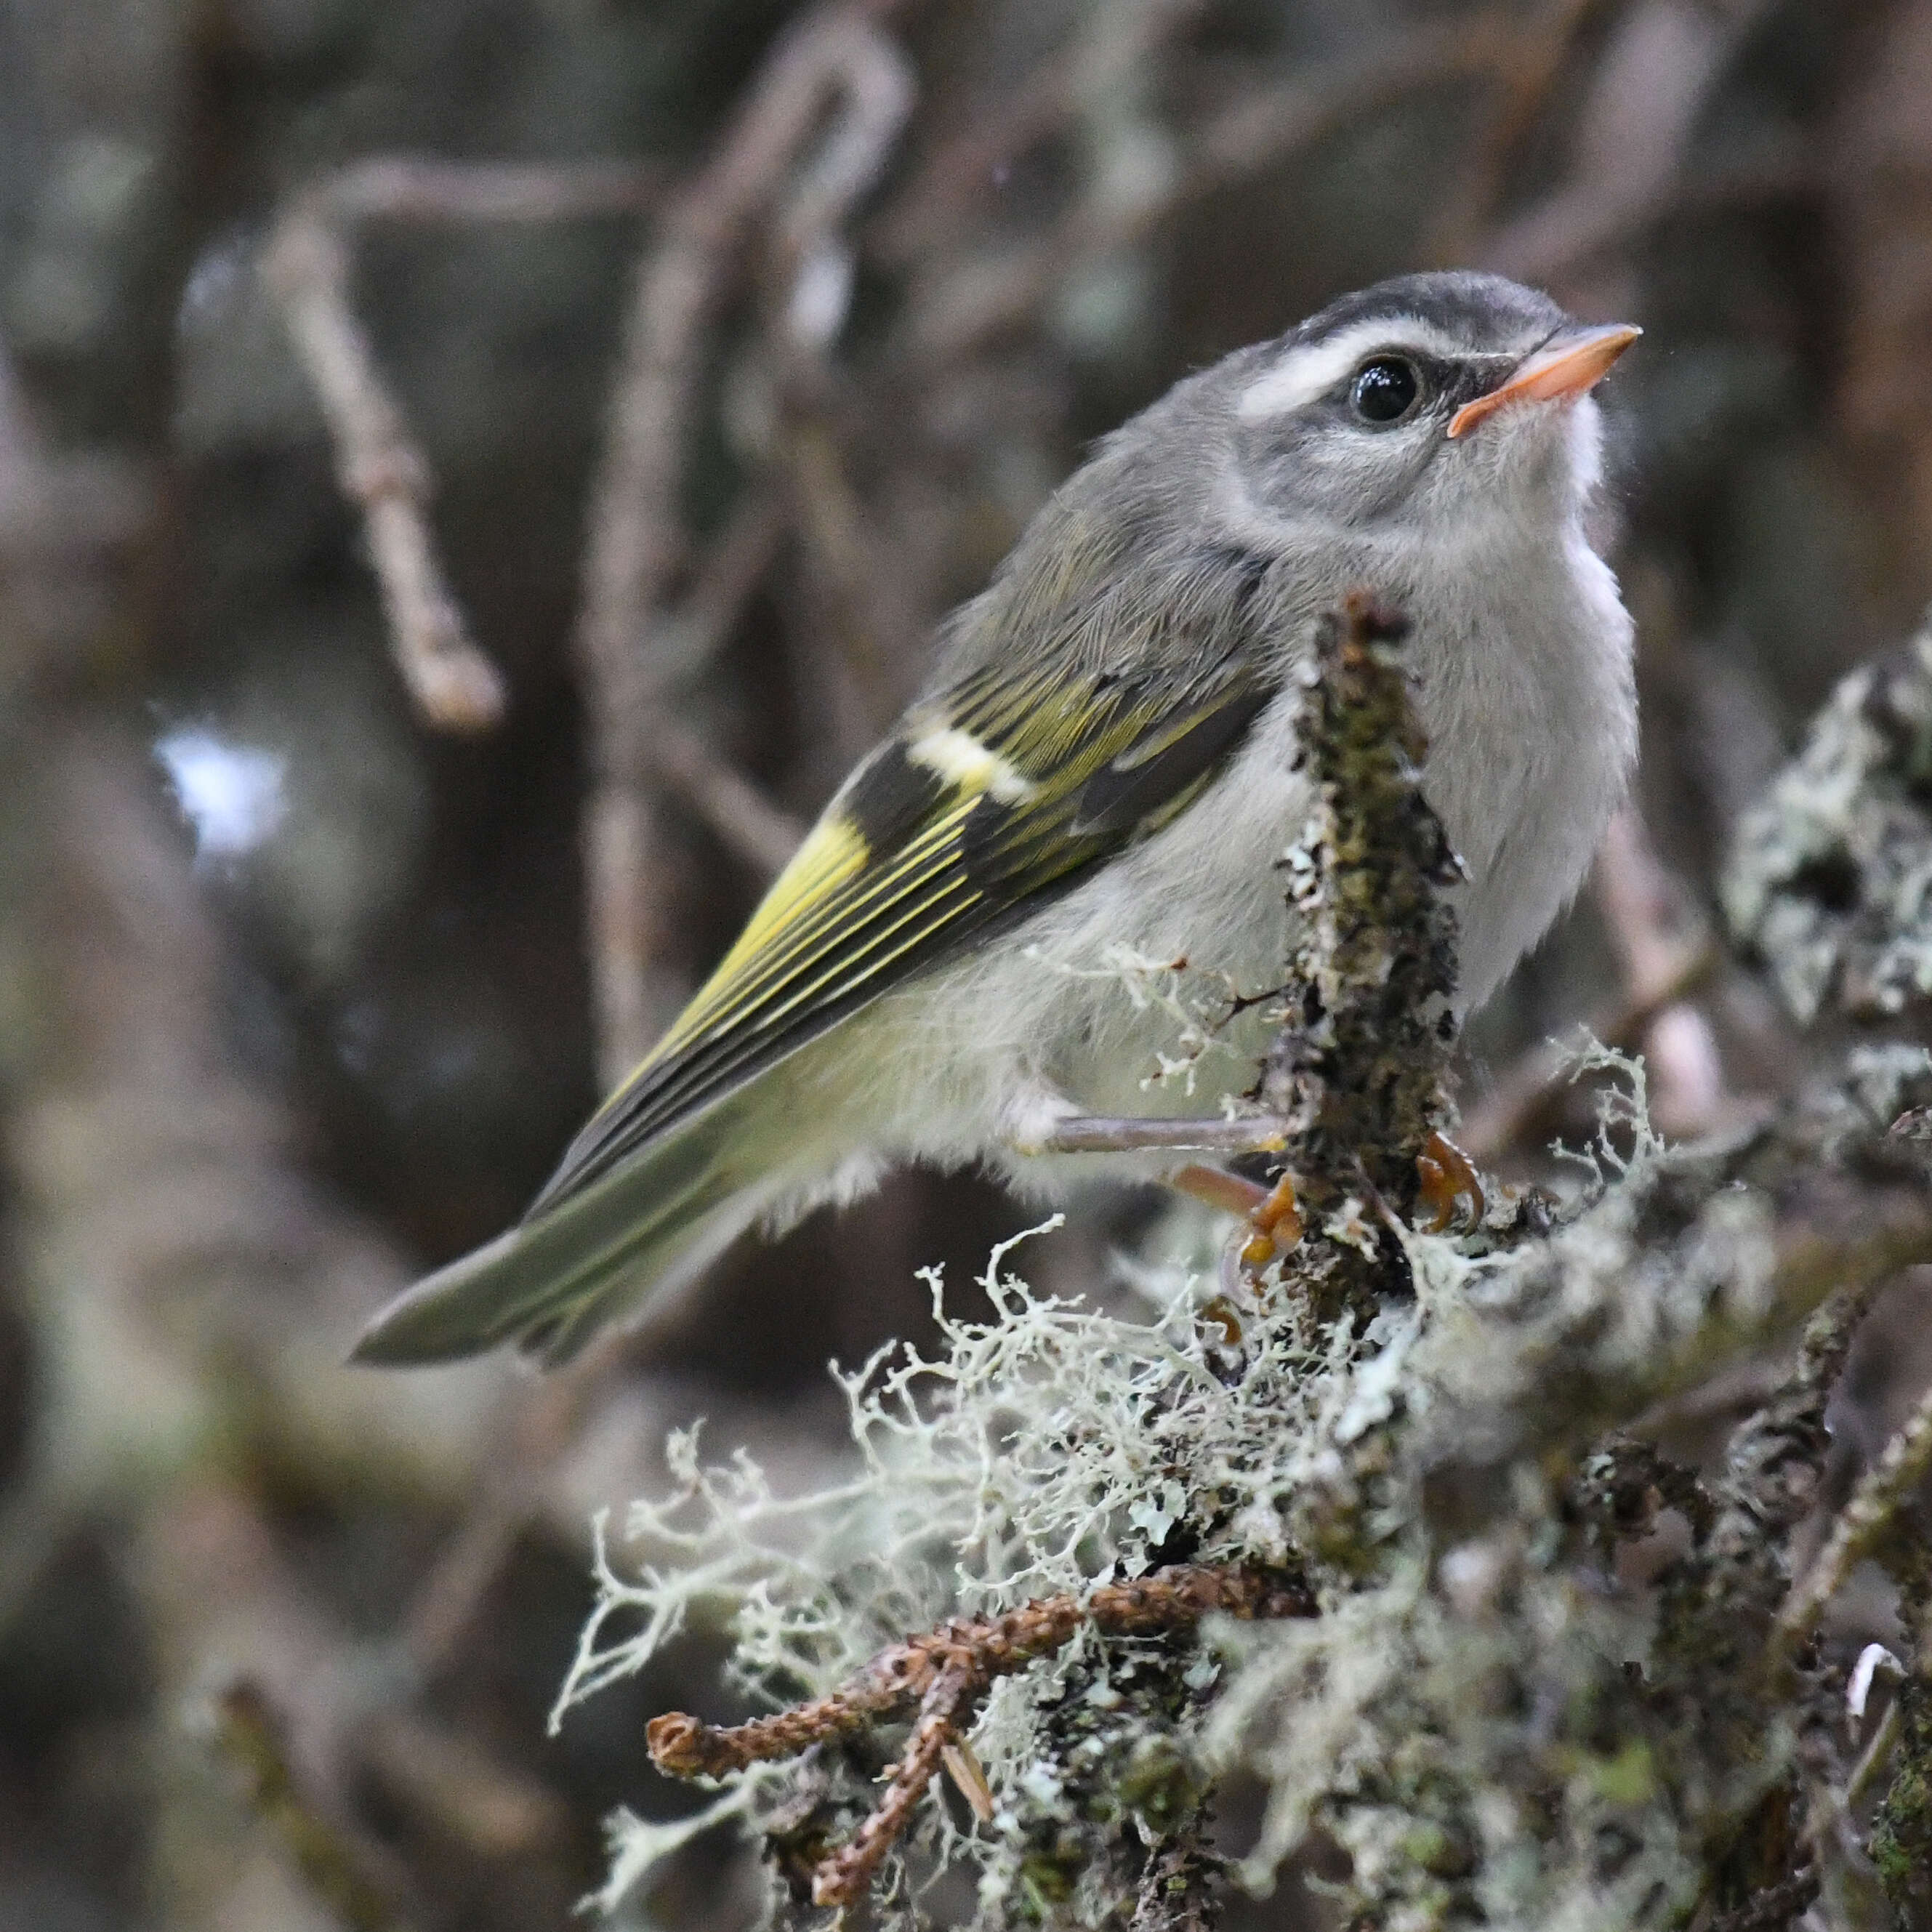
x=1316 y=368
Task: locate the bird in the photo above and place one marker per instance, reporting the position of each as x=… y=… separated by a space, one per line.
x=1102 y=766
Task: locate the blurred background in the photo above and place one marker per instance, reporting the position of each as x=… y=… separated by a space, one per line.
x=473 y=478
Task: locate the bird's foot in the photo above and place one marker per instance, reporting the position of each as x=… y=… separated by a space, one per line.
x=1276 y=1220
x=1448 y=1177
x=1272 y=1214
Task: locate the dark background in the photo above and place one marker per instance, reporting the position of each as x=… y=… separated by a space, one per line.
x=298 y=992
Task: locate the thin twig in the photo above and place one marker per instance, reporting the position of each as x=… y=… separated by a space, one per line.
x=764 y=834
x=252 y=1734
x=1884 y=1488
x=381 y=469
x=689 y=638
x=842 y=1878
x=964 y=312
x=943 y=1674
x=637 y=528
x=815 y=263
x=416 y=187
x=455 y=687
x=955 y=176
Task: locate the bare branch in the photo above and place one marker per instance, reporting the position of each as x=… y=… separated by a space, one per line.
x=727 y=574
x=967 y=310
x=762 y=834
x=454 y=686
x=381 y=469
x=419 y=188
x=251 y=1732
x=1886 y=1488
x=636 y=527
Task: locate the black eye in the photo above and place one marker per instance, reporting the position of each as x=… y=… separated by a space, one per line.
x=1384 y=390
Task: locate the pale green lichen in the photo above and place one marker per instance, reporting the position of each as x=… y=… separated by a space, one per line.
x=1054 y=1444
x=1430 y=1432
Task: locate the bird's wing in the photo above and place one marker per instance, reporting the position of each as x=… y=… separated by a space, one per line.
x=990 y=797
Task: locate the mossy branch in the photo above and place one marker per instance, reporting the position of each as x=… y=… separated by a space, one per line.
x=1435 y=1440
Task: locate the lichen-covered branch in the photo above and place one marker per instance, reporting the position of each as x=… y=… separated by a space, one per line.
x=943 y=1676
x=1356 y=1070
x=1425 y=1402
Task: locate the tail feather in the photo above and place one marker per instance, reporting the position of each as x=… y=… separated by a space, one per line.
x=549 y=1284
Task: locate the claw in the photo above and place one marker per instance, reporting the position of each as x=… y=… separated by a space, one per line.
x=1276 y=1220
x=1220 y=1313
x=1272 y=1212
x=1448 y=1177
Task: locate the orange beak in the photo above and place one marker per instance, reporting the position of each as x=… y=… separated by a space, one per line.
x=1577 y=360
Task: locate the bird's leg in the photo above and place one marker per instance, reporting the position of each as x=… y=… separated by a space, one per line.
x=1100 y=1133
x=1448 y=1176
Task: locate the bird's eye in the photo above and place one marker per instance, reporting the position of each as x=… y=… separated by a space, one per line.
x=1384 y=390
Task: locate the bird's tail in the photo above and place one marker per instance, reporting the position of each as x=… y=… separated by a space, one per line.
x=551 y=1283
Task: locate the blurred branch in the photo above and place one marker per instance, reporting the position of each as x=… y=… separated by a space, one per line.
x=544 y=1421
x=760 y=833
x=252 y=1733
x=455 y=687
x=1659 y=938
x=726 y=576
x=963 y=311
x=65 y=518
x=414 y=188
x=1117 y=41
x=450 y=1781
x=1884 y=1490
x=636 y=535
x=1666 y=954
x=1633 y=129
x=1525 y=84
x=1571 y=235
x=381 y=470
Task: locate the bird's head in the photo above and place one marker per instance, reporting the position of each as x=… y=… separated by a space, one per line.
x=1420 y=409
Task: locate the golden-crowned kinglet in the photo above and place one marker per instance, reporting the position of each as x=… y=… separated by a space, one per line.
x=1104 y=758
